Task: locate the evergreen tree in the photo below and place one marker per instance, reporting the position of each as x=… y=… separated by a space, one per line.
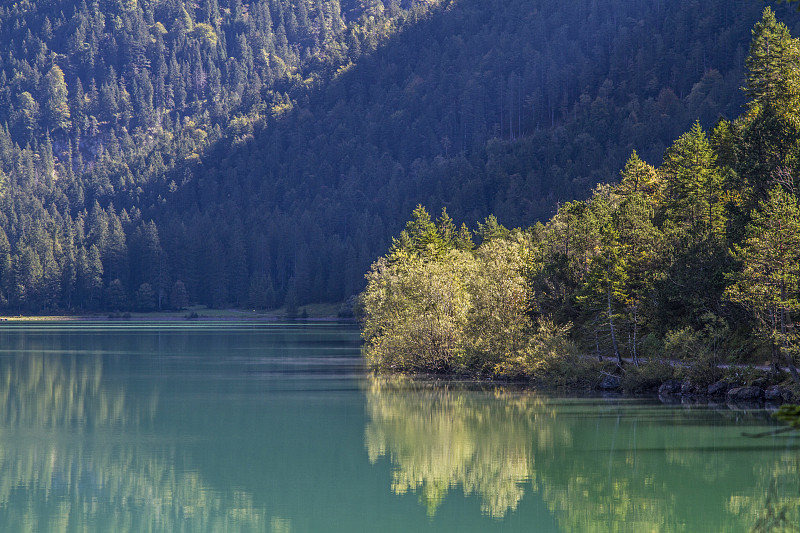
x=769 y=280
x=771 y=128
x=56 y=105
x=606 y=282
x=6 y=272
x=773 y=69
x=640 y=178
x=693 y=182
x=90 y=276
x=115 y=297
x=27 y=269
x=178 y=297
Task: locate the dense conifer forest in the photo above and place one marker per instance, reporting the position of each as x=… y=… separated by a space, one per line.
x=695 y=261
x=161 y=153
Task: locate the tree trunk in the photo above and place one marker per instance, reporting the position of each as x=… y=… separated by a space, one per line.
x=773 y=344
x=597 y=347
x=786 y=353
x=635 y=331
x=611 y=326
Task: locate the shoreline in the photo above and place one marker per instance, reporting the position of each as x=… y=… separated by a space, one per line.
x=313 y=313
x=566 y=392
x=764 y=391
x=760 y=389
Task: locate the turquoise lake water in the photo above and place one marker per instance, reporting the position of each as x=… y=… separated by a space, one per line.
x=229 y=427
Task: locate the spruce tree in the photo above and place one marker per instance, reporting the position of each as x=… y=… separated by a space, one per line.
x=769 y=280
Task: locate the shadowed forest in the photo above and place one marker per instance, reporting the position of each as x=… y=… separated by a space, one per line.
x=159 y=153
x=690 y=264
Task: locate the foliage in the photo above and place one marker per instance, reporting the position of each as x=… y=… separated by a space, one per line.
x=548 y=347
x=789 y=414
x=686 y=256
x=747 y=375
x=686 y=343
x=770 y=277
x=416 y=314
x=772 y=66
x=274 y=146
x=431 y=306
x=648 y=376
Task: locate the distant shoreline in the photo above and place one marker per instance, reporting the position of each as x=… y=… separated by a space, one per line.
x=313 y=313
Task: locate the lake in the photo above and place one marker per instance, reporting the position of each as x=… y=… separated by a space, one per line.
x=234 y=427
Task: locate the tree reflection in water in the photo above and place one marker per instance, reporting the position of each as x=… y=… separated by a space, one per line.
x=598 y=465
x=440 y=438
x=76 y=455
x=775 y=501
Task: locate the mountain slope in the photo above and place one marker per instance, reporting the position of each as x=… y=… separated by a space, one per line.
x=276 y=146
x=475 y=108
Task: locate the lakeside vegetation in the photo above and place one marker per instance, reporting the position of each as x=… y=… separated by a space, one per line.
x=695 y=261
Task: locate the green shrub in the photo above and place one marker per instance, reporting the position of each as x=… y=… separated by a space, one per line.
x=701 y=371
x=575 y=372
x=548 y=349
x=647 y=376
x=652 y=346
x=683 y=344
x=743 y=375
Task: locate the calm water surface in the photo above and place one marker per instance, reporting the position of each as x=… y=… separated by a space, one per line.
x=217 y=427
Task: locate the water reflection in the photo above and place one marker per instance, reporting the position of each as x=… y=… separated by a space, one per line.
x=774 y=505
x=79 y=454
x=610 y=466
x=440 y=438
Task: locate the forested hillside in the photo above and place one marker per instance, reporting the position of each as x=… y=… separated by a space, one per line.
x=697 y=259
x=155 y=153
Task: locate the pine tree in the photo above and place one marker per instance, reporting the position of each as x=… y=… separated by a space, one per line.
x=51 y=281
x=639 y=177
x=419 y=237
x=90 y=276
x=773 y=67
x=27 y=269
x=769 y=280
x=6 y=272
x=693 y=184
x=771 y=128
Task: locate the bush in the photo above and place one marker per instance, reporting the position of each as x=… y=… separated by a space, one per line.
x=549 y=352
x=702 y=349
x=647 y=376
x=683 y=344
x=415 y=314
x=447 y=309
x=652 y=346
x=744 y=375
x=575 y=372
x=702 y=371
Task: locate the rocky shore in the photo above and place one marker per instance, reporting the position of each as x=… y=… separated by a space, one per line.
x=761 y=390
x=722 y=390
